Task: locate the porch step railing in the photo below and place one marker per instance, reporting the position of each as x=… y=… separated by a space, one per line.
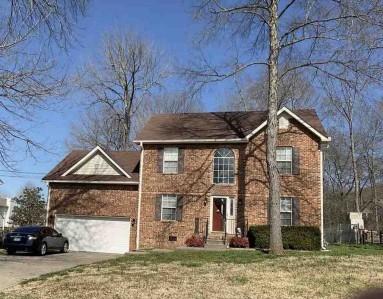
x=234 y=227
x=231 y=227
x=201 y=227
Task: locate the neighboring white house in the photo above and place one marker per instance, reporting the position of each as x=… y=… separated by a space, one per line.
x=6 y=207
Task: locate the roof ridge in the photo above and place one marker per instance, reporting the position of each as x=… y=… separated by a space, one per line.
x=217 y=126
x=234 y=111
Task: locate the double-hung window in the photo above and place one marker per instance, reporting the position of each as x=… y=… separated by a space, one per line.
x=170 y=161
x=285 y=160
x=286 y=211
x=223 y=166
x=169 y=207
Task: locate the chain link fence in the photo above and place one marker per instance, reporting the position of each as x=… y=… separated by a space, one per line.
x=344 y=234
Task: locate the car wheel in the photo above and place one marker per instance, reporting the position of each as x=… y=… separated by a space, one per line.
x=43 y=249
x=10 y=251
x=65 y=248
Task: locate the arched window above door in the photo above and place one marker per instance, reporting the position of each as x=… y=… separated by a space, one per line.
x=223 y=166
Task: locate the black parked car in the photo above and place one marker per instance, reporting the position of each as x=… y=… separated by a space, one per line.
x=38 y=239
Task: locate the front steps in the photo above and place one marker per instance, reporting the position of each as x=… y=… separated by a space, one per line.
x=215 y=240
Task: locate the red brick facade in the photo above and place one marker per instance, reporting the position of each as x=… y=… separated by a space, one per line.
x=94 y=200
x=250 y=188
x=195 y=185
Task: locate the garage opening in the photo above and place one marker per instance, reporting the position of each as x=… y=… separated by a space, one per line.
x=95 y=234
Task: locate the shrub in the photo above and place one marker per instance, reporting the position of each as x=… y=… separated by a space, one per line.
x=195 y=241
x=239 y=242
x=259 y=236
x=293 y=237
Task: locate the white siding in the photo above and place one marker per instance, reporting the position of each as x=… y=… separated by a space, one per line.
x=6 y=209
x=95 y=234
x=284 y=121
x=97 y=165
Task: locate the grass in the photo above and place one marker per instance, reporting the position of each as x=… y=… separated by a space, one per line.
x=338 y=273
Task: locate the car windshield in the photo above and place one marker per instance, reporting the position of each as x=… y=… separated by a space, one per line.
x=28 y=229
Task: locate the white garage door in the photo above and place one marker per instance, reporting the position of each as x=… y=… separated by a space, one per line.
x=95 y=234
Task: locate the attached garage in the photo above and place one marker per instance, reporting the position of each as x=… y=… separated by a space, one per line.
x=95 y=234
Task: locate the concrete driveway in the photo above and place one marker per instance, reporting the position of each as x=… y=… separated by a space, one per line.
x=15 y=268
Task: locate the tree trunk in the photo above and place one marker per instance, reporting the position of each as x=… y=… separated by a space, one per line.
x=375 y=199
x=276 y=246
x=354 y=166
x=371 y=170
x=127 y=123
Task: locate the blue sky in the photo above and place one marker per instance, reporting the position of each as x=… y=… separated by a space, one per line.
x=168 y=23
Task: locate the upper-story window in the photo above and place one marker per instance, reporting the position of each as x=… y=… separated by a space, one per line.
x=223 y=166
x=170 y=162
x=285 y=160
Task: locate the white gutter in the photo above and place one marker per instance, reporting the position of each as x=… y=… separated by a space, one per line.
x=139 y=198
x=321 y=201
x=93 y=182
x=48 y=199
x=234 y=140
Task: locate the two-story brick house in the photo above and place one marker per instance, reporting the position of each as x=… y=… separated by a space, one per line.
x=196 y=173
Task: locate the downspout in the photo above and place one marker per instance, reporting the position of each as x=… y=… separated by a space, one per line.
x=49 y=196
x=139 y=197
x=321 y=201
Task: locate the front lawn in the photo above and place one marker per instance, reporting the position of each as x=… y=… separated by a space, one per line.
x=207 y=274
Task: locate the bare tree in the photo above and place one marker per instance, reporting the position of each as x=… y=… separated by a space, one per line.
x=371 y=139
x=294 y=91
x=130 y=70
x=30 y=32
x=168 y=102
x=344 y=97
x=101 y=126
x=339 y=173
x=97 y=126
x=338 y=167
x=311 y=36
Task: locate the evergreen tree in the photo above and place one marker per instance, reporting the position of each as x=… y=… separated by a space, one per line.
x=30 y=207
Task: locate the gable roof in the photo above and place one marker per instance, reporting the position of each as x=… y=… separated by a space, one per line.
x=90 y=155
x=126 y=160
x=219 y=126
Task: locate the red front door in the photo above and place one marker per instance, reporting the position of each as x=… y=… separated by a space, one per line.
x=219 y=210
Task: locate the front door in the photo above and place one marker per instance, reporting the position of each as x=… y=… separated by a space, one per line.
x=219 y=210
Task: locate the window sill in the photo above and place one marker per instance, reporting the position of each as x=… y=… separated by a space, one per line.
x=169 y=221
x=223 y=184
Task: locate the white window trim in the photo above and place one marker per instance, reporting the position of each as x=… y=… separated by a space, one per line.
x=291 y=211
x=291 y=161
x=231 y=207
x=164 y=161
x=234 y=178
x=162 y=200
x=227 y=198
